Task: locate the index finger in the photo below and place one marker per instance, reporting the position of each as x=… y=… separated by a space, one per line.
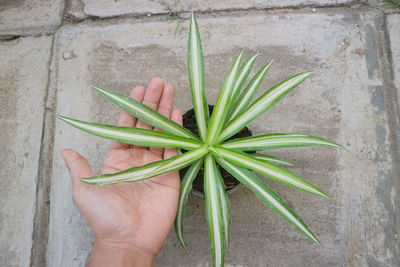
x=164 y=108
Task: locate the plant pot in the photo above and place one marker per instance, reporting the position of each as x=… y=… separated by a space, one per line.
x=231 y=184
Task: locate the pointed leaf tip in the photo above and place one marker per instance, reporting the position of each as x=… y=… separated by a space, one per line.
x=270 y=98
x=133 y=136
x=221 y=107
x=243 y=101
x=146 y=113
x=268 y=197
x=197 y=77
x=242 y=75
x=95 y=87
x=277 y=140
x=271 y=171
x=186 y=186
x=321 y=193
x=326 y=196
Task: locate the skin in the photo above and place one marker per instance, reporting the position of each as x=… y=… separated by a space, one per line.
x=130 y=221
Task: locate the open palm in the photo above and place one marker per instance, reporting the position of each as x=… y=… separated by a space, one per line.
x=134 y=215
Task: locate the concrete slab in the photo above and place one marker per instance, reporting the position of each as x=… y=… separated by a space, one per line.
x=388 y=7
x=343 y=101
x=104 y=8
x=393 y=24
x=23 y=74
x=19 y=17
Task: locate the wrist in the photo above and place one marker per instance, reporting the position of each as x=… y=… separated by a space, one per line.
x=107 y=253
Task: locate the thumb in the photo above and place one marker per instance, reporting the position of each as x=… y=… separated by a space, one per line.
x=78 y=167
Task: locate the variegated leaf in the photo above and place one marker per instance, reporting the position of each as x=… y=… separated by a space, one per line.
x=225 y=205
x=186 y=186
x=214 y=211
x=271 y=159
x=220 y=110
x=262 y=104
x=277 y=140
x=242 y=77
x=269 y=170
x=149 y=170
x=268 y=197
x=134 y=136
x=196 y=77
x=251 y=89
x=145 y=113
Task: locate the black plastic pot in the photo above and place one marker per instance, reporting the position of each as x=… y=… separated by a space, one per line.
x=231 y=184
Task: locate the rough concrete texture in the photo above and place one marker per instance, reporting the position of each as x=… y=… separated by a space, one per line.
x=24 y=76
x=386 y=6
x=346 y=101
x=393 y=23
x=30 y=16
x=104 y=8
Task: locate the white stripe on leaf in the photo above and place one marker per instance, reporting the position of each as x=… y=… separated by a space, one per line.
x=186 y=186
x=149 y=170
x=269 y=170
x=268 y=197
x=277 y=140
x=134 y=136
x=262 y=104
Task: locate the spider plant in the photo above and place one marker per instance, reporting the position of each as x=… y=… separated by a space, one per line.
x=233 y=110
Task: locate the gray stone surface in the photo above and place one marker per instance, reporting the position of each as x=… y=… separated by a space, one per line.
x=30 y=16
x=23 y=75
x=383 y=5
x=346 y=101
x=104 y=8
x=393 y=23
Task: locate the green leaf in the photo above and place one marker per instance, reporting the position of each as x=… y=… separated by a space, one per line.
x=134 y=136
x=220 y=110
x=225 y=205
x=270 y=159
x=268 y=197
x=185 y=188
x=145 y=113
x=269 y=170
x=149 y=170
x=277 y=140
x=251 y=89
x=214 y=211
x=262 y=104
x=242 y=77
x=196 y=77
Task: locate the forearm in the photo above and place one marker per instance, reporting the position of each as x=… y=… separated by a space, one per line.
x=118 y=255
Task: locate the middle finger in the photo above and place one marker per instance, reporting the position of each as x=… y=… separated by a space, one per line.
x=151 y=98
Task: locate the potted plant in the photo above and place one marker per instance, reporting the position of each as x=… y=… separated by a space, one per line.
x=233 y=110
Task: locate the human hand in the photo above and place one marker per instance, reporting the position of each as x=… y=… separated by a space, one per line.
x=130 y=221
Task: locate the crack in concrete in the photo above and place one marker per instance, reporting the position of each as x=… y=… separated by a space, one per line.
x=391 y=101
x=394 y=127
x=9 y=37
x=71 y=19
x=387 y=12
x=43 y=180
x=42 y=209
x=222 y=11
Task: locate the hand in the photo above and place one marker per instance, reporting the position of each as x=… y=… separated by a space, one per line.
x=130 y=221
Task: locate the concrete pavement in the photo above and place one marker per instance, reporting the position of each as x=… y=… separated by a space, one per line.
x=351 y=99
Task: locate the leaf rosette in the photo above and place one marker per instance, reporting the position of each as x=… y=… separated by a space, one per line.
x=233 y=110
